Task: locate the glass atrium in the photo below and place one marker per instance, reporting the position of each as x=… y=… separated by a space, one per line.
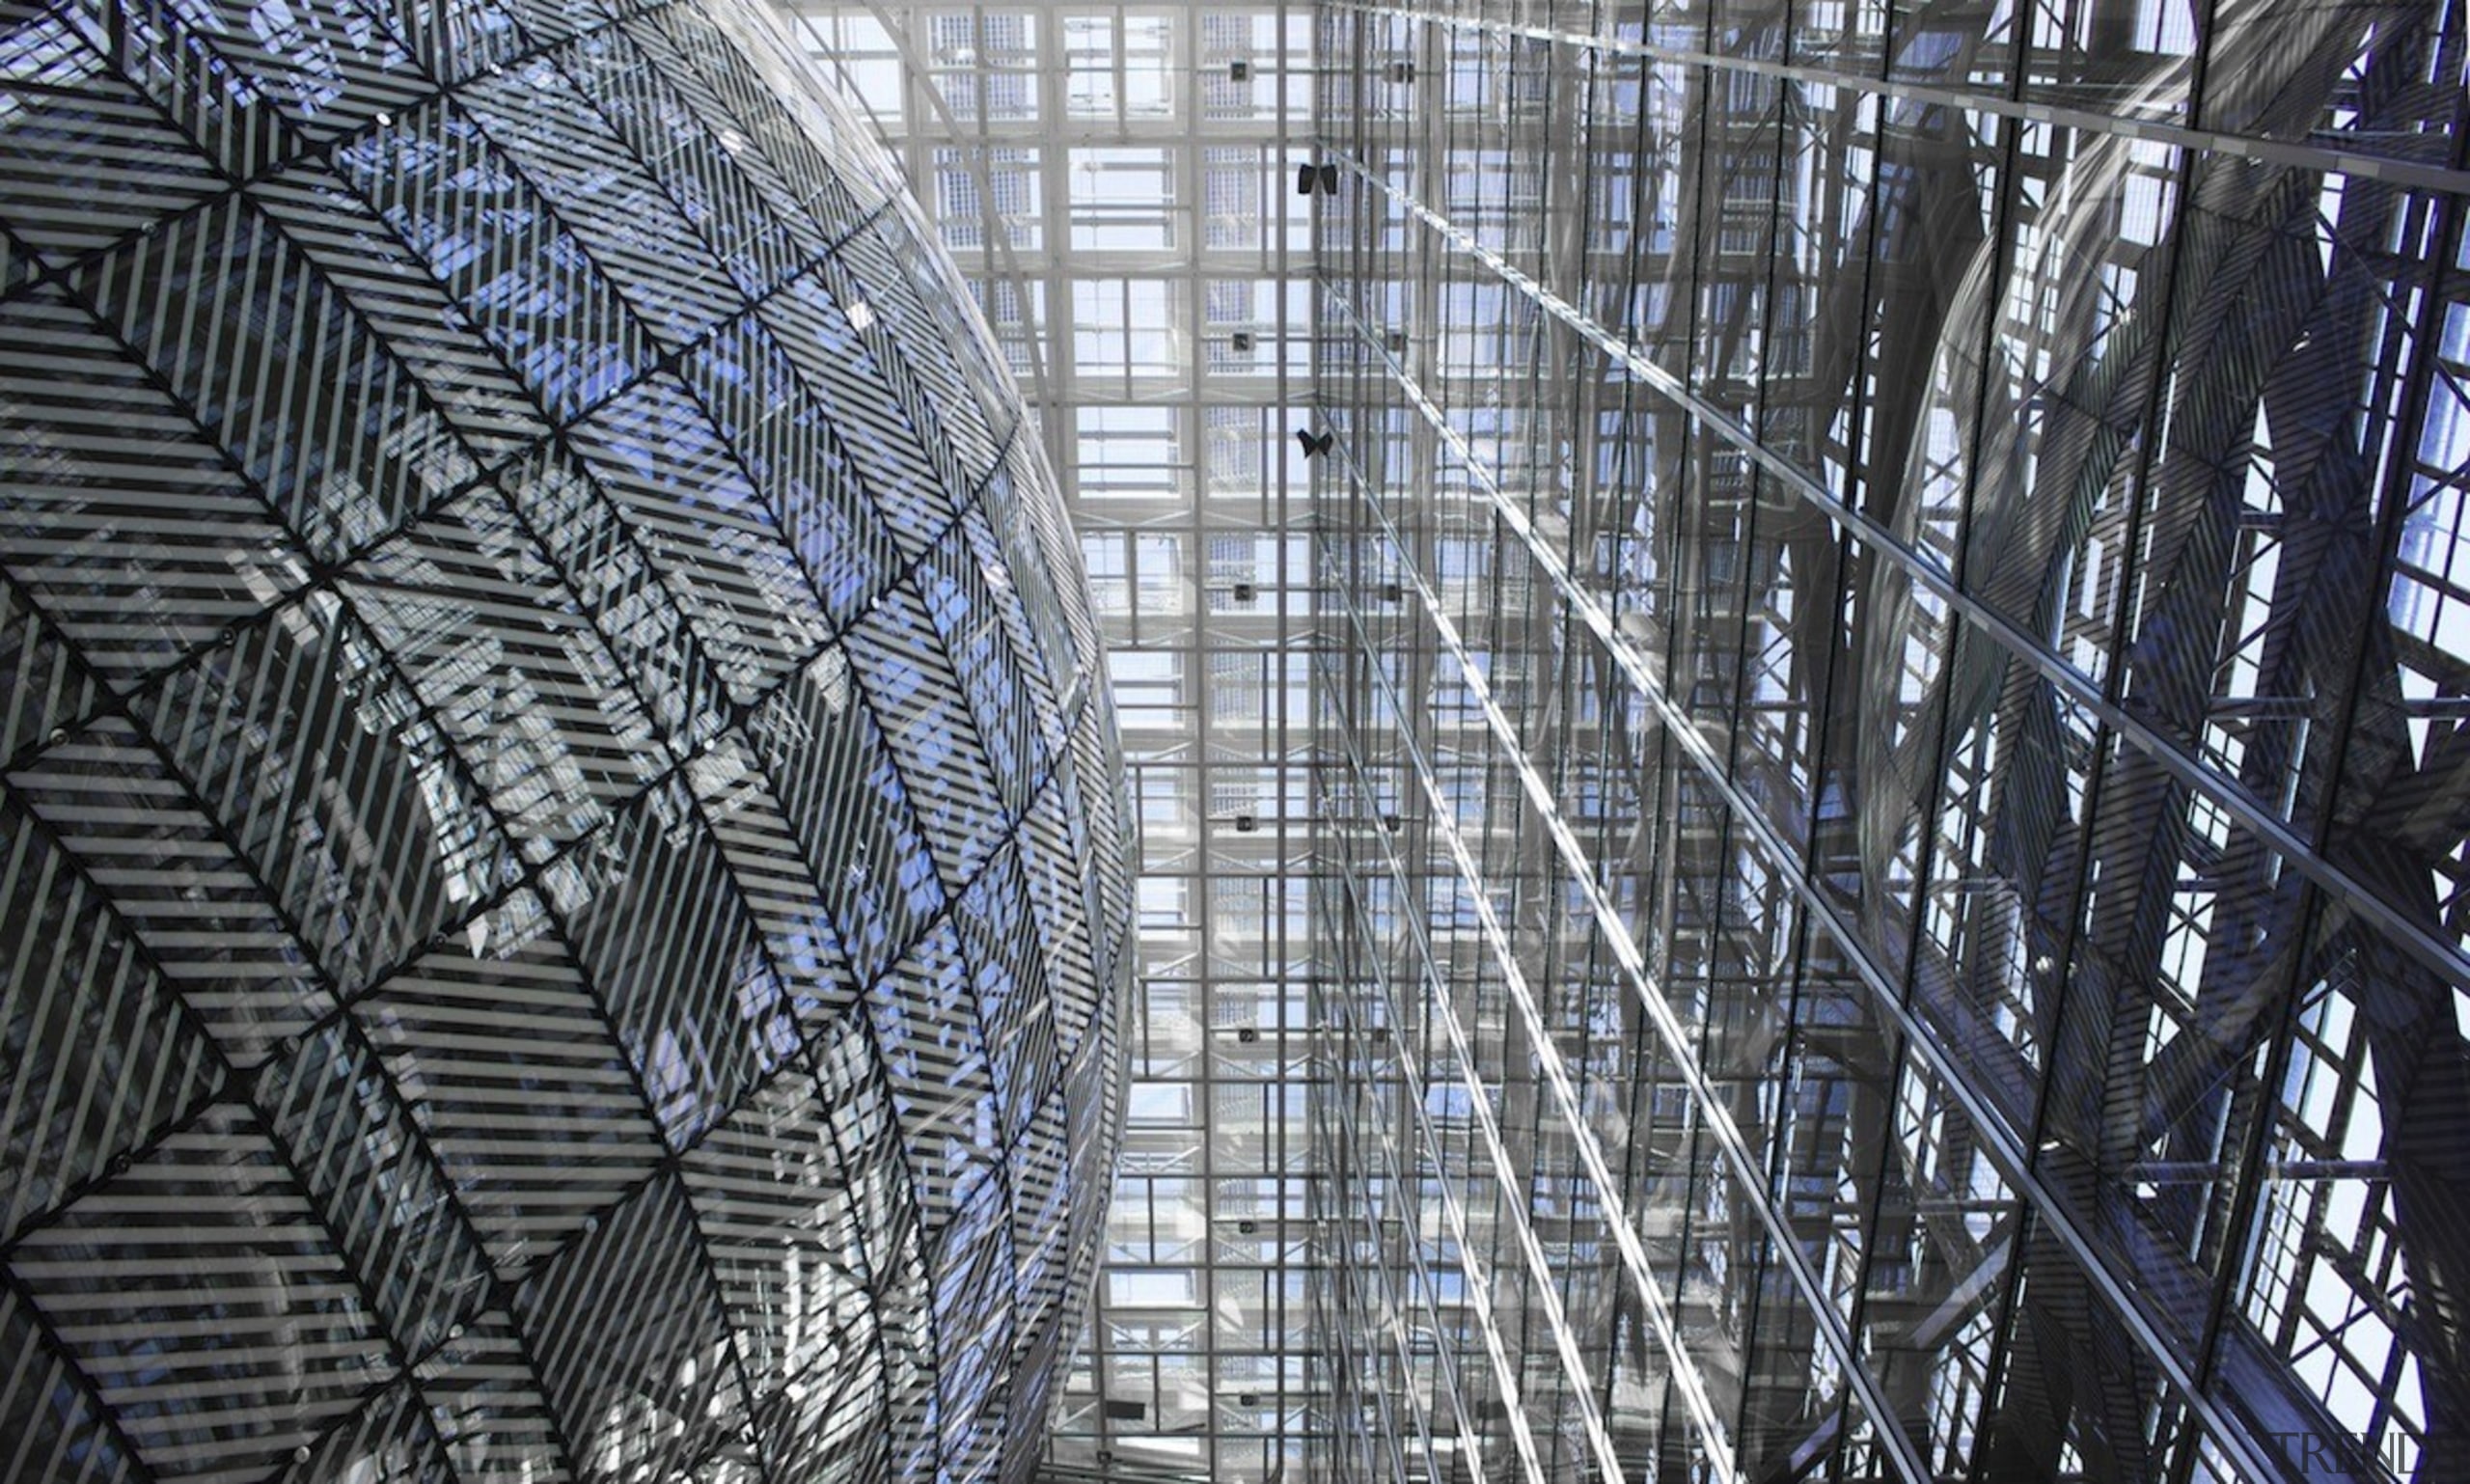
x=1829 y=841
x=1124 y=206
x=1796 y=676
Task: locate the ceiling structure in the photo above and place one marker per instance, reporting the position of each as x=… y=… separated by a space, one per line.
x=1118 y=185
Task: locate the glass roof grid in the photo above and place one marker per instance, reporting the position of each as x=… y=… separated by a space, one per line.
x=1115 y=182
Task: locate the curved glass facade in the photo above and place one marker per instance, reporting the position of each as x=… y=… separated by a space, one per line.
x=1898 y=892
x=560 y=820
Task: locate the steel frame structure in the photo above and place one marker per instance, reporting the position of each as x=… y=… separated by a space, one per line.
x=1895 y=890
x=1888 y=639
x=1122 y=203
x=566 y=887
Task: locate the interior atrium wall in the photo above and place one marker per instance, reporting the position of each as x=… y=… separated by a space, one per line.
x=564 y=903
x=1117 y=185
x=1897 y=773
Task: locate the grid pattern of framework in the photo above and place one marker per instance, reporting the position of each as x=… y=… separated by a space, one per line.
x=1118 y=184
x=1899 y=763
x=563 y=854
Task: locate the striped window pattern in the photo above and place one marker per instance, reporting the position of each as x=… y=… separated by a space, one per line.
x=565 y=882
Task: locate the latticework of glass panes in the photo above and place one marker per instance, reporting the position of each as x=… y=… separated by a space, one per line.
x=1118 y=184
x=1900 y=748
x=562 y=852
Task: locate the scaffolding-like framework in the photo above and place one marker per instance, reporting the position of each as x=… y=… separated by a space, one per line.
x=1897 y=771
x=1117 y=185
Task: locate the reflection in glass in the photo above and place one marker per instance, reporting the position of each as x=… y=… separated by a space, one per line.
x=561 y=829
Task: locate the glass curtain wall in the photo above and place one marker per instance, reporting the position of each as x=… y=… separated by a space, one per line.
x=1118 y=185
x=1898 y=774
